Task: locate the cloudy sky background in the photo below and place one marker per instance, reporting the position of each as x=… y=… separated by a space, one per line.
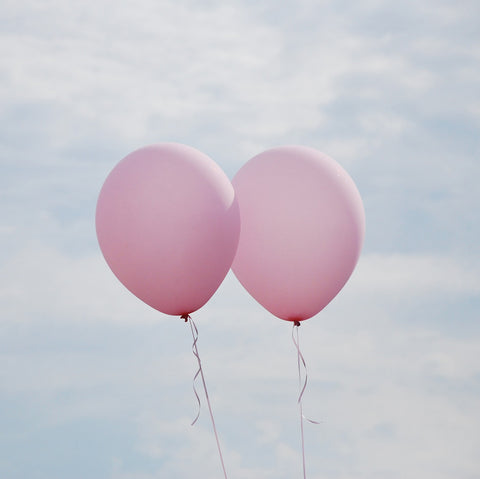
x=93 y=383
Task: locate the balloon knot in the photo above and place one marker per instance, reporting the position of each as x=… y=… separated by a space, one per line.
x=186 y=317
x=296 y=323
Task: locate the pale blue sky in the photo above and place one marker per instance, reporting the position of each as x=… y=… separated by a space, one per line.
x=95 y=384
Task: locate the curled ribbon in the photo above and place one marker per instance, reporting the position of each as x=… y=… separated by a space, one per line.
x=301 y=362
x=194 y=330
x=193 y=327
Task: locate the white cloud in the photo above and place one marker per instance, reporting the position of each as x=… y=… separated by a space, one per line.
x=389 y=90
x=414 y=275
x=381 y=388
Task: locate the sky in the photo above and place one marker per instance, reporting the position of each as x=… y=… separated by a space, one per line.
x=96 y=384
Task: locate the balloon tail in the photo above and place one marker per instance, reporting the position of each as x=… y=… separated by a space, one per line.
x=193 y=328
x=302 y=386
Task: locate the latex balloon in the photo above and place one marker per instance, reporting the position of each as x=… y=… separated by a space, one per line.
x=302 y=229
x=168 y=226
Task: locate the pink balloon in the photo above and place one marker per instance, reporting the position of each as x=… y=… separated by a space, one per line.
x=302 y=229
x=168 y=225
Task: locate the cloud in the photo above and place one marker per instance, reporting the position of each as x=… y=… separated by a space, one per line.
x=380 y=386
x=415 y=275
x=88 y=370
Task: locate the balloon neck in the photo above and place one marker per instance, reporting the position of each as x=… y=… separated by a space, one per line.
x=296 y=322
x=185 y=317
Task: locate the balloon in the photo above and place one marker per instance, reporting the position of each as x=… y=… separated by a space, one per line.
x=302 y=229
x=168 y=226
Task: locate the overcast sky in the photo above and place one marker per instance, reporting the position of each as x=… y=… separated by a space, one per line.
x=95 y=384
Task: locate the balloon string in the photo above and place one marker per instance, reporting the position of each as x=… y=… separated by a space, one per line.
x=193 y=328
x=302 y=386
